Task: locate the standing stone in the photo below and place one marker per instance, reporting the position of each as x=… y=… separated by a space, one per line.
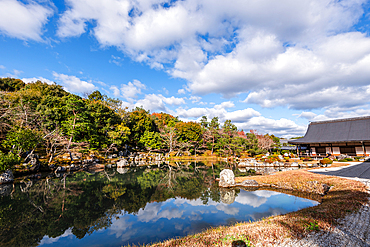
x=227 y=178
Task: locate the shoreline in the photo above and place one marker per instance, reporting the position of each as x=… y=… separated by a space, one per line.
x=345 y=199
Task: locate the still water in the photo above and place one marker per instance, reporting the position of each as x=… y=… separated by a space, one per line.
x=124 y=206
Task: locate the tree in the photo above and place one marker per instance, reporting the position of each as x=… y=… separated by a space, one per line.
x=265 y=142
x=190 y=132
x=139 y=121
x=151 y=140
x=21 y=139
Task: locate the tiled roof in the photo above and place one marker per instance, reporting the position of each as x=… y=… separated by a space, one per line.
x=341 y=130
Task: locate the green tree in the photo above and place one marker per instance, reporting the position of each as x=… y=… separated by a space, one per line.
x=151 y=140
x=139 y=121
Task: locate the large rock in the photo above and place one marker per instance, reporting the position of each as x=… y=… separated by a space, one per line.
x=227 y=178
x=6 y=177
x=249 y=183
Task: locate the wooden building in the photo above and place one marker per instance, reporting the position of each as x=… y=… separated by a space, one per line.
x=349 y=136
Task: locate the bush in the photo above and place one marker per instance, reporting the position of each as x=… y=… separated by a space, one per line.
x=7 y=161
x=326 y=161
x=346 y=160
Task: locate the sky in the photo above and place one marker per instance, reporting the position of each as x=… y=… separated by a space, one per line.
x=268 y=65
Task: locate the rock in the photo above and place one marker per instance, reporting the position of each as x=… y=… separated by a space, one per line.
x=32 y=162
x=343 y=156
x=238 y=243
x=242 y=169
x=122 y=163
x=6 y=177
x=227 y=196
x=227 y=178
x=294 y=164
x=325 y=188
x=245 y=164
x=249 y=183
x=122 y=170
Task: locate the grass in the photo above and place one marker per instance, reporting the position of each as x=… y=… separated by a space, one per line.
x=344 y=197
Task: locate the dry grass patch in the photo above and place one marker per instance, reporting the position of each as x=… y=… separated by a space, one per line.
x=345 y=196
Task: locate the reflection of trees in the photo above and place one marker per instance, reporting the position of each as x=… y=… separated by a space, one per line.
x=87 y=202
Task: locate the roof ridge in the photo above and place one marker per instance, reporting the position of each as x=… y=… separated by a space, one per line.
x=341 y=120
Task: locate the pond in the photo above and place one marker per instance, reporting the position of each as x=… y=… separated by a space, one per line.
x=140 y=205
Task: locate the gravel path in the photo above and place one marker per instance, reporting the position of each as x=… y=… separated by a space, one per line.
x=354 y=229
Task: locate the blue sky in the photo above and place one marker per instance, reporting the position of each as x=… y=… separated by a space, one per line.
x=266 y=65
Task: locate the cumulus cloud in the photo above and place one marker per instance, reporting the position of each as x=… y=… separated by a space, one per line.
x=23 y=21
x=73 y=84
x=281 y=127
x=152 y=102
x=116 y=91
x=35 y=79
x=130 y=90
x=250 y=47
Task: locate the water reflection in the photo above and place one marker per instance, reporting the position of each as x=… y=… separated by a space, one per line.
x=129 y=205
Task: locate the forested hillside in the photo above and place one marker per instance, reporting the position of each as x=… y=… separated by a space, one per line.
x=39 y=116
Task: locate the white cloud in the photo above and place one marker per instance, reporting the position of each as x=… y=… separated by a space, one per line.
x=34 y=79
x=116 y=60
x=130 y=90
x=116 y=91
x=242 y=115
x=2 y=66
x=73 y=84
x=23 y=21
x=249 y=46
x=281 y=127
x=157 y=102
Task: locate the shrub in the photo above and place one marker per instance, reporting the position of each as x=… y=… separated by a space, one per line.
x=7 y=161
x=326 y=161
x=346 y=160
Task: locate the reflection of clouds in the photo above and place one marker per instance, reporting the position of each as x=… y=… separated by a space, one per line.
x=153 y=212
x=271 y=212
x=119 y=226
x=227 y=209
x=196 y=202
x=179 y=226
x=250 y=198
x=265 y=193
x=48 y=240
x=195 y=216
